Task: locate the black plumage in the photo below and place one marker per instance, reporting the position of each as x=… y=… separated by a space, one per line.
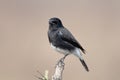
x=61 y=38
x=54 y=33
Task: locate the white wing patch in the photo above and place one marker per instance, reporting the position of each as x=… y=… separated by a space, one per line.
x=60 y=33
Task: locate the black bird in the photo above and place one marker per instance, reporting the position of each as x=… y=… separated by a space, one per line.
x=63 y=41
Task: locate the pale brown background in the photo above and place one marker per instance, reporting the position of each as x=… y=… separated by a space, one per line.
x=24 y=46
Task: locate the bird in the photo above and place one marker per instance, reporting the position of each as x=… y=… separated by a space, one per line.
x=62 y=40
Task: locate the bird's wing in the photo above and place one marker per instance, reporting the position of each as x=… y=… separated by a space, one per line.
x=68 y=37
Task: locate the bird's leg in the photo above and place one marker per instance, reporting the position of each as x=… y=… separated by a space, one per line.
x=63 y=58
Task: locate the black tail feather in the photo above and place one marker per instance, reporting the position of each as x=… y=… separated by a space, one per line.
x=84 y=64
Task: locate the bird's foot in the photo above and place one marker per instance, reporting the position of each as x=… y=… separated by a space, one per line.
x=61 y=60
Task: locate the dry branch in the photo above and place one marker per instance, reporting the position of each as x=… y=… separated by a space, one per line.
x=59 y=70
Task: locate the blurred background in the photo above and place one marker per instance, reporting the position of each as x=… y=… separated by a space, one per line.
x=24 y=46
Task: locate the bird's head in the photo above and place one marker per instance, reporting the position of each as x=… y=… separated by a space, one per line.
x=55 y=23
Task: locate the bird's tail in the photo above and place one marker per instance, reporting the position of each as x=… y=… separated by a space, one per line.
x=84 y=64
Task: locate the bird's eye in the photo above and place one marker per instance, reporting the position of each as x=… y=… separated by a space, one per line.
x=55 y=22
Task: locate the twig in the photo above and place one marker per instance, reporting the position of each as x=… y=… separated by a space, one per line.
x=43 y=77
